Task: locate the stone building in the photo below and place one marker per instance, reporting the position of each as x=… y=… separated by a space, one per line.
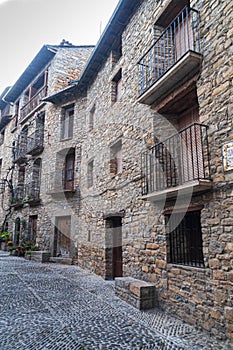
x=136 y=176
x=27 y=133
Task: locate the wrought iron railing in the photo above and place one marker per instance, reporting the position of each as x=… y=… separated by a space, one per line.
x=59 y=181
x=182 y=158
x=17 y=195
x=31 y=192
x=25 y=193
x=35 y=141
x=181 y=36
x=33 y=103
x=20 y=150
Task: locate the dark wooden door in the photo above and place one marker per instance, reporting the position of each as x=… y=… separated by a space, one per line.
x=33 y=228
x=116 y=247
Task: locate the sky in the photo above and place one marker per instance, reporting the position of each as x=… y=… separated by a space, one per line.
x=27 y=25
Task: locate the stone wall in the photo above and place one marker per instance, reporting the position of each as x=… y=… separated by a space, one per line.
x=200 y=296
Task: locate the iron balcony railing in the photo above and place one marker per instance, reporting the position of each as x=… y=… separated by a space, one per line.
x=182 y=158
x=35 y=142
x=33 y=103
x=60 y=181
x=181 y=36
x=20 y=150
x=31 y=192
x=17 y=195
x=25 y=193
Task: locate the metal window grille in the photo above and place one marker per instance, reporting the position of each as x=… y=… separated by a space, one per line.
x=185 y=245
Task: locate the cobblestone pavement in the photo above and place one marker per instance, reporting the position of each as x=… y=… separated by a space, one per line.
x=57 y=307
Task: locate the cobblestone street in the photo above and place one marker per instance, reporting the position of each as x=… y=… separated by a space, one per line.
x=57 y=307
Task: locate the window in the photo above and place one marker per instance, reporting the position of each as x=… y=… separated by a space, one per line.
x=185 y=239
x=16 y=116
x=67 y=122
x=116 y=50
x=34 y=186
x=18 y=192
x=69 y=171
x=117 y=87
x=90 y=168
x=91 y=118
x=21 y=176
x=116 y=158
x=2 y=136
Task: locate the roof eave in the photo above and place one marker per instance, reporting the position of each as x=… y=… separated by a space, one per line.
x=41 y=60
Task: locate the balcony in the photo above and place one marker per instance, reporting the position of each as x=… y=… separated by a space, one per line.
x=173 y=59
x=17 y=196
x=60 y=182
x=35 y=142
x=19 y=152
x=180 y=164
x=25 y=194
x=32 y=194
x=33 y=103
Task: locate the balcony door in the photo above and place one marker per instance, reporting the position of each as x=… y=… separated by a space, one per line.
x=69 y=172
x=191 y=152
x=183 y=34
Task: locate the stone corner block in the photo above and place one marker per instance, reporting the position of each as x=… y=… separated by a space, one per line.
x=138 y=293
x=40 y=256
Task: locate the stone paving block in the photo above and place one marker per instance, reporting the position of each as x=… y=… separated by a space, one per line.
x=59 y=307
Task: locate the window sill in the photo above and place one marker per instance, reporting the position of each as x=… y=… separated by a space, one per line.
x=66 y=139
x=170 y=266
x=14 y=129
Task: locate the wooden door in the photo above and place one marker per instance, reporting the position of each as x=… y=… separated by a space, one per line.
x=183 y=35
x=33 y=228
x=191 y=156
x=62 y=236
x=116 y=247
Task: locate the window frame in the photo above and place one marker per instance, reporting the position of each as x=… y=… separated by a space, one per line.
x=90 y=173
x=67 y=123
x=116 y=166
x=117 y=91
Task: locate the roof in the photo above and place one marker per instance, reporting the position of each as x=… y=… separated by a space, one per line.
x=115 y=27
x=2 y=102
x=43 y=57
x=41 y=60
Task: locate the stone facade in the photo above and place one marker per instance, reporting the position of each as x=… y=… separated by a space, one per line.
x=114 y=227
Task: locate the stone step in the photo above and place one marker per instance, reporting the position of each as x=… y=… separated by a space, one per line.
x=61 y=260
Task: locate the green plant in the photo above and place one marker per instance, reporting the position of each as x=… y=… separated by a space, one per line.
x=28 y=252
x=5 y=235
x=34 y=248
x=13 y=248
